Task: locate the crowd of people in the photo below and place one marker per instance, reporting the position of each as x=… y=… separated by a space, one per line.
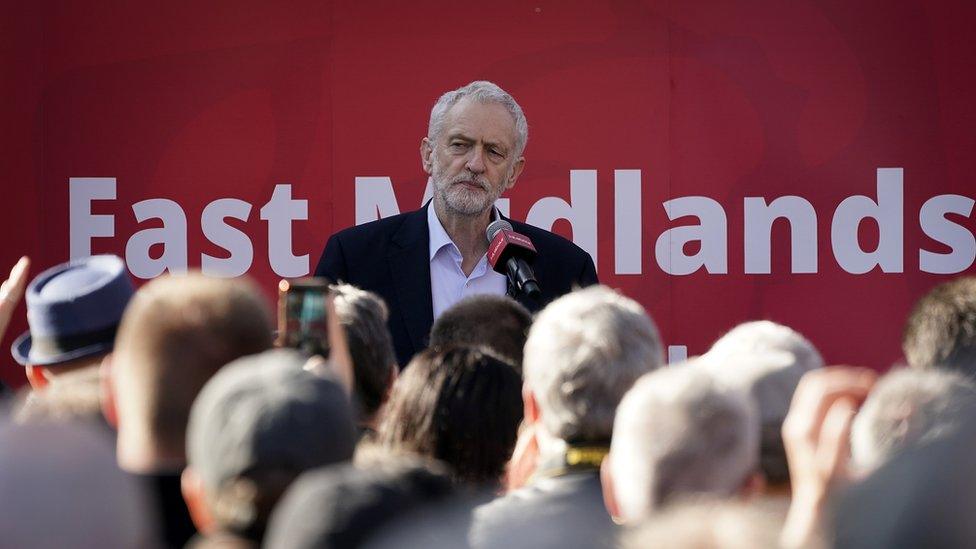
x=166 y=417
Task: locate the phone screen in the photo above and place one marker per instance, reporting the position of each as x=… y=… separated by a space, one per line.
x=302 y=316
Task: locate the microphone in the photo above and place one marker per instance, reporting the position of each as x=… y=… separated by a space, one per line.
x=510 y=253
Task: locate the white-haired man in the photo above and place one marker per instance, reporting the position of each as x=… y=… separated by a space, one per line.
x=766 y=360
x=584 y=351
x=679 y=433
x=424 y=261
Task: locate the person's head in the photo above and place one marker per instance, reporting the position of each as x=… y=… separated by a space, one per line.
x=71 y=396
x=709 y=524
x=497 y=322
x=908 y=408
x=584 y=351
x=941 y=329
x=73 y=310
x=345 y=506
x=677 y=434
x=459 y=405
x=175 y=334
x=257 y=424
x=766 y=360
x=762 y=336
x=474 y=145
x=62 y=488
x=362 y=316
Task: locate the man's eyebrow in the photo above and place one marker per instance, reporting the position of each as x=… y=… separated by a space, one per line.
x=497 y=144
x=501 y=146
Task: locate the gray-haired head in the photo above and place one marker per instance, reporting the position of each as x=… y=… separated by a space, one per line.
x=908 y=408
x=584 y=351
x=765 y=360
x=941 y=330
x=483 y=92
x=763 y=335
x=363 y=315
x=679 y=433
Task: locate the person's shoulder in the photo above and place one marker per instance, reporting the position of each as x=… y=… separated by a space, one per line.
x=551 y=242
x=381 y=226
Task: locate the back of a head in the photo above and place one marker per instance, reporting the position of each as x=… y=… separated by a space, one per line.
x=460 y=405
x=584 y=351
x=710 y=524
x=766 y=360
x=72 y=395
x=907 y=408
x=941 y=329
x=679 y=433
x=175 y=334
x=256 y=425
x=762 y=336
x=922 y=497
x=363 y=317
x=343 y=506
x=61 y=487
x=497 y=322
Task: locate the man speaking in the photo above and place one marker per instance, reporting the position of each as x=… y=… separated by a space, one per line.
x=424 y=261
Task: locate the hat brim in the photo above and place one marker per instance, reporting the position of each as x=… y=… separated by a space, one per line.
x=21 y=351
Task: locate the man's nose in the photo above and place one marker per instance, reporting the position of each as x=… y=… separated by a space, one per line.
x=476 y=162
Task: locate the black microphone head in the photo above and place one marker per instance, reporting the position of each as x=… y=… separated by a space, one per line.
x=495 y=226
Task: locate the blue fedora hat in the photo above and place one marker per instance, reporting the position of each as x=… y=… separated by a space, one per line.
x=73 y=310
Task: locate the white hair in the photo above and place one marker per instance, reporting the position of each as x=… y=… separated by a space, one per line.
x=679 y=433
x=762 y=336
x=584 y=351
x=483 y=92
x=62 y=488
x=766 y=360
x=906 y=408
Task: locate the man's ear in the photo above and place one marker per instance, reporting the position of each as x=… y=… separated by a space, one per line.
x=195 y=496
x=516 y=172
x=609 y=494
x=530 y=408
x=106 y=382
x=426 y=155
x=36 y=376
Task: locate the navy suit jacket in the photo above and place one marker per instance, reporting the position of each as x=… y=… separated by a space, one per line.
x=391 y=257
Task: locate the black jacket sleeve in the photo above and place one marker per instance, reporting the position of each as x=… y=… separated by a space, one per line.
x=332 y=264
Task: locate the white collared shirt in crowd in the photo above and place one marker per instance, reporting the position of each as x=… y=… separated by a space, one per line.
x=448 y=283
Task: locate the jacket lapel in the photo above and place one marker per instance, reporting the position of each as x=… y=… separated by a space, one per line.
x=409 y=264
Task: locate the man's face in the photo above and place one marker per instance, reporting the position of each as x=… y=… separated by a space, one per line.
x=472 y=162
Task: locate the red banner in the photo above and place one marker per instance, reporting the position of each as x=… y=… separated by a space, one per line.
x=806 y=162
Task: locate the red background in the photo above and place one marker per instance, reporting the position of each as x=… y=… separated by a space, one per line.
x=201 y=101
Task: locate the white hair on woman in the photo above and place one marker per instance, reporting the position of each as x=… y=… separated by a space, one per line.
x=584 y=351
x=679 y=433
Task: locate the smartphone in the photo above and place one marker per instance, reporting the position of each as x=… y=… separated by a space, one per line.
x=302 y=316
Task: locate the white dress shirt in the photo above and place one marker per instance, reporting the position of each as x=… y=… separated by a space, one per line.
x=448 y=283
